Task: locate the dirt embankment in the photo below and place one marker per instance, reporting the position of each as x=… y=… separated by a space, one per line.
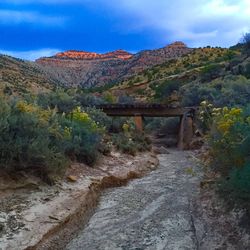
x=34 y=216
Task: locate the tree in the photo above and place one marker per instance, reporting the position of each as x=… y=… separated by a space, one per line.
x=246 y=40
x=246 y=43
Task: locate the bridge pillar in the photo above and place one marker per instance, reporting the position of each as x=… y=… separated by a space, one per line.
x=138 y=123
x=181 y=133
x=186 y=132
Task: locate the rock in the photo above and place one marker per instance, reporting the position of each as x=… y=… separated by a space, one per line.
x=53 y=218
x=196 y=143
x=81 y=55
x=2 y=220
x=152 y=167
x=72 y=178
x=1 y=227
x=161 y=150
x=198 y=133
x=47 y=199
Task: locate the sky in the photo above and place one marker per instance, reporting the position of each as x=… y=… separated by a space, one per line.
x=30 y=29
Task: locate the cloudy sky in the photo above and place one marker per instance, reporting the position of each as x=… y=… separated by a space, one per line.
x=34 y=28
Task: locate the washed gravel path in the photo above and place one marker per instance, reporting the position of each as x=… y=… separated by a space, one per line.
x=151 y=213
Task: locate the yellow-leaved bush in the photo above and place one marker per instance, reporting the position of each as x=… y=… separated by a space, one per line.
x=43 y=140
x=229 y=139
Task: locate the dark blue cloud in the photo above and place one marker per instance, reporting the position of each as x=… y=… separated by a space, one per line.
x=47 y=26
x=36 y=26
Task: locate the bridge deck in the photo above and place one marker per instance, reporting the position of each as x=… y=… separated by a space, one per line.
x=146 y=110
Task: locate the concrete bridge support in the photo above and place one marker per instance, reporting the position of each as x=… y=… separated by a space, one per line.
x=186 y=131
x=138 y=123
x=139 y=111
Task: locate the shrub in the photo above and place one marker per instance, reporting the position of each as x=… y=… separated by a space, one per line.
x=110 y=98
x=229 y=133
x=131 y=140
x=167 y=88
x=58 y=99
x=7 y=90
x=230 y=143
x=44 y=141
x=246 y=72
x=126 y=99
x=164 y=125
x=117 y=124
x=88 y=100
x=194 y=93
x=246 y=41
x=83 y=137
x=230 y=91
x=30 y=139
x=210 y=72
x=131 y=143
x=99 y=117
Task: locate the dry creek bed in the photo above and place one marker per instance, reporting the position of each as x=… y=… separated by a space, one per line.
x=165 y=209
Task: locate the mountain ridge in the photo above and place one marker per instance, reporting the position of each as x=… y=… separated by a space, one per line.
x=89 y=69
x=81 y=55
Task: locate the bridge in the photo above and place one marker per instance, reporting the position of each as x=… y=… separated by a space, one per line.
x=139 y=111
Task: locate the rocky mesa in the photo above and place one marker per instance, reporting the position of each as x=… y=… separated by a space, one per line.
x=82 y=55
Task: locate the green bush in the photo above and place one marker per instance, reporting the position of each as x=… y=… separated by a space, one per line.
x=59 y=99
x=131 y=143
x=246 y=42
x=30 y=139
x=166 y=88
x=99 y=117
x=44 y=141
x=110 y=98
x=194 y=93
x=131 y=140
x=117 y=123
x=211 y=72
x=83 y=137
x=88 y=100
x=126 y=99
x=228 y=91
x=230 y=155
x=163 y=125
x=246 y=72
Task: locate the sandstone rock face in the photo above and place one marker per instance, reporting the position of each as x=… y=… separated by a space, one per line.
x=86 y=69
x=73 y=54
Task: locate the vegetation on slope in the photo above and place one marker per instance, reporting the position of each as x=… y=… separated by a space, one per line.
x=154 y=79
x=44 y=141
x=19 y=77
x=228 y=130
x=208 y=73
x=44 y=134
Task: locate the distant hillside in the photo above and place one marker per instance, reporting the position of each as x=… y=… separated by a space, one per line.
x=175 y=72
x=20 y=77
x=86 y=69
x=205 y=73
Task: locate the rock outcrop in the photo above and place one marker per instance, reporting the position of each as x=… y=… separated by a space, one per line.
x=82 y=55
